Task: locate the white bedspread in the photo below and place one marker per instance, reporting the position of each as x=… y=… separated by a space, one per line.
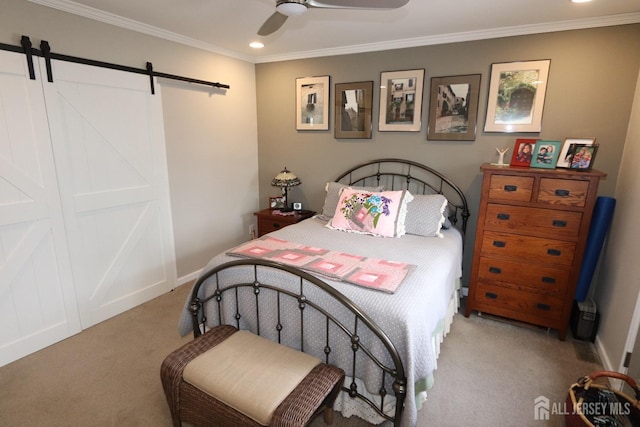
x=413 y=314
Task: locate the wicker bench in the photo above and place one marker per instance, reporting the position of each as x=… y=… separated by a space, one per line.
x=225 y=377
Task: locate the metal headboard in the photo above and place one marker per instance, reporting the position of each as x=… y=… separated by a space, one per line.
x=400 y=174
x=268 y=288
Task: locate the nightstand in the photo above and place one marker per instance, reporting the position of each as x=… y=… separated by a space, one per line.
x=268 y=221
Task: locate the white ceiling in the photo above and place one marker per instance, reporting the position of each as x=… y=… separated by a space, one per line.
x=228 y=26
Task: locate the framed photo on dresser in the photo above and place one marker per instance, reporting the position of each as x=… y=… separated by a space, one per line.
x=583 y=156
x=545 y=154
x=523 y=152
x=564 y=161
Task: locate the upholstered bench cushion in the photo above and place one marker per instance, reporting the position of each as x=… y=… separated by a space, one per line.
x=249 y=373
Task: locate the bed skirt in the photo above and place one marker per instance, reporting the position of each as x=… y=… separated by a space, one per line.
x=349 y=407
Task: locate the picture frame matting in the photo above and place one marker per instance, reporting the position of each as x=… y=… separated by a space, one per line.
x=401 y=100
x=453 y=107
x=353 y=102
x=516 y=97
x=312 y=103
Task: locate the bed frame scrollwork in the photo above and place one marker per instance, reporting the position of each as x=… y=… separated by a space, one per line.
x=400 y=174
x=278 y=288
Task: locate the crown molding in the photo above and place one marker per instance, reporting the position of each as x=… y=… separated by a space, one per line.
x=521 y=30
x=130 y=24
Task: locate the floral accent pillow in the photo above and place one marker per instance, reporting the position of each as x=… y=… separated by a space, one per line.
x=333 y=190
x=368 y=212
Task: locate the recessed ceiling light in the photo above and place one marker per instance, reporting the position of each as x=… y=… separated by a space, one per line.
x=580 y=1
x=256 y=45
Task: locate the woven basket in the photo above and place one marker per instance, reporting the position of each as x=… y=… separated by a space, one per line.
x=597 y=405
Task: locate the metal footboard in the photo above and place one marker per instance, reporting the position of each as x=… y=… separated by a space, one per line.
x=261 y=296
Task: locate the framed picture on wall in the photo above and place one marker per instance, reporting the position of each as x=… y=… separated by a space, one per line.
x=401 y=100
x=312 y=103
x=545 y=154
x=516 y=96
x=353 y=110
x=564 y=161
x=453 y=108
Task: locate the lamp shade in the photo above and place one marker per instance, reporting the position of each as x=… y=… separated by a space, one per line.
x=285 y=179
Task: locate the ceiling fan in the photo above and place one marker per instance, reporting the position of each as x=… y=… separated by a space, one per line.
x=287 y=8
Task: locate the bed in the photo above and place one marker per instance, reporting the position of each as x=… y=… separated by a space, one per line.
x=413 y=315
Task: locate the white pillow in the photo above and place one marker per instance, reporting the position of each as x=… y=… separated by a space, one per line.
x=333 y=190
x=425 y=215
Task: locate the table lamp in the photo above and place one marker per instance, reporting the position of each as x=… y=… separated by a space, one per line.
x=284 y=180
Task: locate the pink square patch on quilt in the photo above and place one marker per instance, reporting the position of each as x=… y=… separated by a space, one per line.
x=326 y=266
x=368 y=278
x=255 y=251
x=291 y=257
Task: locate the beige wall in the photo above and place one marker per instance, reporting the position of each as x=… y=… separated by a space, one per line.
x=211 y=136
x=590 y=92
x=617 y=287
x=214 y=152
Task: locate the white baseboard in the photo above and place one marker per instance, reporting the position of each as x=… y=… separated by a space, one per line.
x=188 y=277
x=607 y=365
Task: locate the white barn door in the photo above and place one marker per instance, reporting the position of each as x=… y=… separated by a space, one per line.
x=108 y=141
x=37 y=300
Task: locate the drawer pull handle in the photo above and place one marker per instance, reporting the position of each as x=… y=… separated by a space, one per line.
x=491 y=295
x=559 y=223
x=545 y=307
x=276 y=225
x=504 y=216
x=499 y=244
x=554 y=252
x=547 y=279
x=562 y=193
x=510 y=188
x=495 y=270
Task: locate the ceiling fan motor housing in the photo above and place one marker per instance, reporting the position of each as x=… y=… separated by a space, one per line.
x=291 y=7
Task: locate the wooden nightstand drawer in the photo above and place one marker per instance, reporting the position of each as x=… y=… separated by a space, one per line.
x=563 y=192
x=518 y=305
x=512 y=188
x=268 y=221
x=534 y=277
x=541 y=249
x=533 y=221
x=267 y=225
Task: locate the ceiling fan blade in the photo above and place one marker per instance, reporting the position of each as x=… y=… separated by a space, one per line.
x=272 y=24
x=357 y=4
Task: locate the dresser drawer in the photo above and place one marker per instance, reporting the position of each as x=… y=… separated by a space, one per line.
x=534 y=221
x=525 y=274
x=512 y=188
x=563 y=192
x=542 y=250
x=516 y=304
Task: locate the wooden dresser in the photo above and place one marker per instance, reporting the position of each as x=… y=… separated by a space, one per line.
x=530 y=239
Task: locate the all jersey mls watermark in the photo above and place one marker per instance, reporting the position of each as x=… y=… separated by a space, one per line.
x=543 y=408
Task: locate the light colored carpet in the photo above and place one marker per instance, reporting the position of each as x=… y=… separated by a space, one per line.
x=489 y=374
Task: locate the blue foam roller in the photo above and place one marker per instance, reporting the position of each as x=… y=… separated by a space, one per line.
x=600 y=222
